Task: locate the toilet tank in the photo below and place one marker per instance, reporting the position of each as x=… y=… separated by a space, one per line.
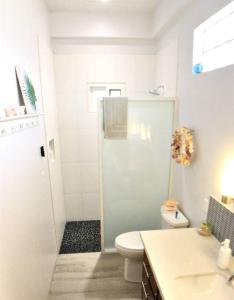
x=171 y=220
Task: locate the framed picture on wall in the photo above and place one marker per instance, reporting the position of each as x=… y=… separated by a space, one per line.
x=27 y=90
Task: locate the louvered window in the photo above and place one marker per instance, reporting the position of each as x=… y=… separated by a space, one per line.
x=214 y=41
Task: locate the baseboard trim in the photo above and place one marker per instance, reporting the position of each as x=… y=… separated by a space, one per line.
x=109 y=251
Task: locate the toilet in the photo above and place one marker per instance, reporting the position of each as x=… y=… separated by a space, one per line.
x=130 y=245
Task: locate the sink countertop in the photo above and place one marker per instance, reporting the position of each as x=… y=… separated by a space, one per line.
x=180 y=252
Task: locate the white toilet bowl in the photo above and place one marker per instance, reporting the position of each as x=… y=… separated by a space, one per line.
x=130 y=246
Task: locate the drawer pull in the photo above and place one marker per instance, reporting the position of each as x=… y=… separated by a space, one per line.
x=143 y=287
x=146 y=271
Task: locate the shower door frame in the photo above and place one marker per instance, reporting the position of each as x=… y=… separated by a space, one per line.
x=173 y=100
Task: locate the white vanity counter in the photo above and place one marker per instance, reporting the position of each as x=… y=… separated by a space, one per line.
x=180 y=252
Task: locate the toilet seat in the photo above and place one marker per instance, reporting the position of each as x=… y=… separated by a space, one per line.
x=130 y=244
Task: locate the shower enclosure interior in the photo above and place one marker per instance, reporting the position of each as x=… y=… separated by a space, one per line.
x=135 y=171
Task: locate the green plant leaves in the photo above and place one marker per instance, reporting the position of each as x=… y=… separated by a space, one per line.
x=30 y=91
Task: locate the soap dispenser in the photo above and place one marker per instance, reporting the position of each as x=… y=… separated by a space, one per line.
x=224 y=255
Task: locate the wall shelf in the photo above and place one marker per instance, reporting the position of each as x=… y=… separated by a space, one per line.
x=12 y=125
x=26 y=116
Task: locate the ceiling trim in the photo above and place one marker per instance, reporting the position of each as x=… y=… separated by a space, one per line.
x=142 y=6
x=104 y=41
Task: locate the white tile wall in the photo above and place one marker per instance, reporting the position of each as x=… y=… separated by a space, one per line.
x=79 y=128
x=91 y=206
x=89 y=177
x=68 y=110
x=75 y=200
x=72 y=178
x=70 y=145
x=167 y=64
x=88 y=146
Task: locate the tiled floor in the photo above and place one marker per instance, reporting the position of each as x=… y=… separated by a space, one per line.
x=95 y=276
x=81 y=237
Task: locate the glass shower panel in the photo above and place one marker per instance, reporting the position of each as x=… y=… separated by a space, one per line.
x=136 y=171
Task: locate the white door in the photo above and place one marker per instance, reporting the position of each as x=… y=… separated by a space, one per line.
x=28 y=243
x=52 y=137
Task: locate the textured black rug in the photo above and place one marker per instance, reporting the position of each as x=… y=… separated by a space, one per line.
x=81 y=237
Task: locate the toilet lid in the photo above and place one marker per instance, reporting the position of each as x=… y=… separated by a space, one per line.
x=130 y=240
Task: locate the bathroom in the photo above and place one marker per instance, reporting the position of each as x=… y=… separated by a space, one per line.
x=53 y=163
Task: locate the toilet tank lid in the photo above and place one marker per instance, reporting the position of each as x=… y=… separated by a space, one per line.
x=180 y=221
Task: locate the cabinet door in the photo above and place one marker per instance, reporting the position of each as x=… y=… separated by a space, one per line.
x=159 y=297
x=149 y=281
x=146 y=289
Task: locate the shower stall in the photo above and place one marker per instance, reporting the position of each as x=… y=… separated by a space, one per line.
x=135 y=172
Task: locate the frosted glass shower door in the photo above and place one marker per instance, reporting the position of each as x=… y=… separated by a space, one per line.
x=136 y=171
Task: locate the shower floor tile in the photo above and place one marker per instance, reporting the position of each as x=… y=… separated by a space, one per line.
x=81 y=237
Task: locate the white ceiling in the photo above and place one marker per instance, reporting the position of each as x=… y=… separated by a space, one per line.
x=97 y=5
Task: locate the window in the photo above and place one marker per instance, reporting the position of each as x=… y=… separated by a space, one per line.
x=214 y=41
x=99 y=90
x=115 y=92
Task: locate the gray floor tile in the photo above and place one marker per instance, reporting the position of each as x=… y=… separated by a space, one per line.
x=95 y=276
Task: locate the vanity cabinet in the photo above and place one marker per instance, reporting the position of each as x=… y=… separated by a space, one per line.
x=149 y=288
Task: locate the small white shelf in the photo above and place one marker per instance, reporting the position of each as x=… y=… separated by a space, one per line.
x=26 y=116
x=12 y=125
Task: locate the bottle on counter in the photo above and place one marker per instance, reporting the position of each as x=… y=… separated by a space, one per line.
x=224 y=255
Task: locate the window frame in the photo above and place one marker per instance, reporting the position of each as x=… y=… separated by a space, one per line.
x=92 y=107
x=219 y=55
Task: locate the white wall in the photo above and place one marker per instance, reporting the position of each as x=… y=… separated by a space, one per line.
x=79 y=128
x=28 y=244
x=166 y=67
x=205 y=105
x=97 y=24
x=167 y=12
x=21 y=21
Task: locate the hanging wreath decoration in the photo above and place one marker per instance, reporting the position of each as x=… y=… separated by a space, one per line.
x=182 y=146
